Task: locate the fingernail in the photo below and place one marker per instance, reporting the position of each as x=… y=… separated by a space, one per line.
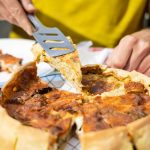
x=31 y=7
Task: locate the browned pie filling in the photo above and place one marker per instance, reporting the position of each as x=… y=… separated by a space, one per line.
x=47 y=109
x=102 y=113
x=114 y=111
x=95 y=82
x=53 y=110
x=134 y=87
x=36 y=104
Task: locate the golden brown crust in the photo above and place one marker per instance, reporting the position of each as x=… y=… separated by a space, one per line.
x=102 y=113
x=134 y=87
x=19 y=80
x=8 y=130
x=31 y=138
x=9 y=59
x=14 y=135
x=139 y=130
x=133 y=76
x=9 y=63
x=92 y=118
x=109 y=139
x=138 y=77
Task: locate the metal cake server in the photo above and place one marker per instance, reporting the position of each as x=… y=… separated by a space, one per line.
x=52 y=40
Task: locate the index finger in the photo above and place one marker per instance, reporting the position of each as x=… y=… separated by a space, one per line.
x=17 y=12
x=27 y=5
x=122 y=53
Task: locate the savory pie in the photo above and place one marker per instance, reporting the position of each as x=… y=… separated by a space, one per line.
x=9 y=62
x=113 y=114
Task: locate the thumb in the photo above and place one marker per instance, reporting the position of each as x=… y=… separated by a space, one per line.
x=28 y=6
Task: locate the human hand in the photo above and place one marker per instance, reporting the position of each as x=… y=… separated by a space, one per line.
x=13 y=12
x=132 y=53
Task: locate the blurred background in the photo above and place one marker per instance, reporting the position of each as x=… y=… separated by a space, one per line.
x=5 y=28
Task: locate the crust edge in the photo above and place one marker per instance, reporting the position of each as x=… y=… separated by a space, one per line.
x=109 y=139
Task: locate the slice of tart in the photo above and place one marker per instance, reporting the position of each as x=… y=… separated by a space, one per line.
x=68 y=65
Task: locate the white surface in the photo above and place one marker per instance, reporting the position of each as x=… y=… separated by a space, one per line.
x=90 y=57
x=20 y=48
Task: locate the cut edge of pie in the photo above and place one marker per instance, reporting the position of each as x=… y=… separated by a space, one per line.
x=133 y=136
x=69 y=65
x=108 y=139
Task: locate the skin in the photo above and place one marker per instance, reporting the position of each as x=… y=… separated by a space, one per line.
x=132 y=52
x=13 y=11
